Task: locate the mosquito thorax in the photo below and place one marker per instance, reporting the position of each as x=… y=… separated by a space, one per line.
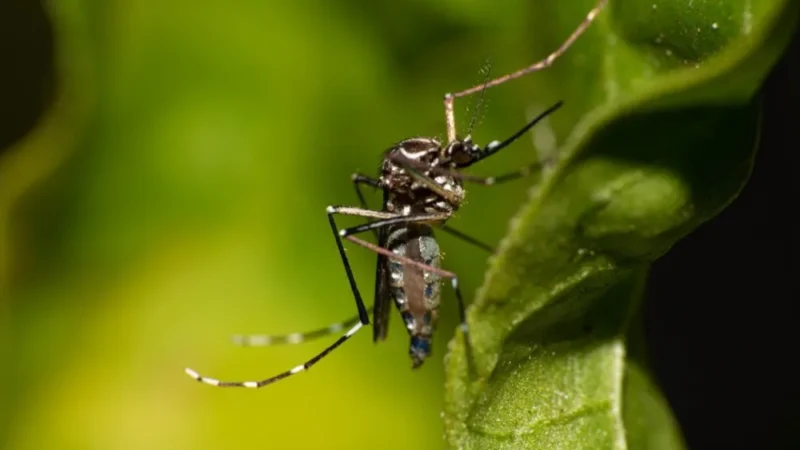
x=428 y=157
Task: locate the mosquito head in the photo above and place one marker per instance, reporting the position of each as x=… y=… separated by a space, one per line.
x=461 y=152
x=419 y=350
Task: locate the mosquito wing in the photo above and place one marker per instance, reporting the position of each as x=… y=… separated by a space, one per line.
x=382 y=299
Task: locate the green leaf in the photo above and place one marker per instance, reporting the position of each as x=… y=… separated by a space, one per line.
x=658 y=134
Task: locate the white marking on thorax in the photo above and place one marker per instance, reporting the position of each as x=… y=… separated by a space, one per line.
x=415 y=155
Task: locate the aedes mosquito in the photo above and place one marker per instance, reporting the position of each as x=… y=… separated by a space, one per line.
x=422 y=187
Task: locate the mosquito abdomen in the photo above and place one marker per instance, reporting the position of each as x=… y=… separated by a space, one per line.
x=416 y=292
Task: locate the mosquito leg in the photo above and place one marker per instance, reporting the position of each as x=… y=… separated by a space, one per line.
x=358 y=180
x=443 y=273
x=544 y=63
x=392 y=221
x=462 y=311
x=382 y=296
x=295 y=370
x=260 y=340
x=386 y=220
x=255 y=340
x=530 y=169
x=414 y=169
x=409 y=165
x=519 y=173
x=468 y=239
x=362 y=316
x=389 y=254
x=362 y=310
x=535 y=67
x=361 y=212
x=347 y=233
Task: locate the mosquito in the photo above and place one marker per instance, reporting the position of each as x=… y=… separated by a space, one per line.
x=422 y=184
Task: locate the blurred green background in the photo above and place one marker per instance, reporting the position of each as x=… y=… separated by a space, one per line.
x=172 y=192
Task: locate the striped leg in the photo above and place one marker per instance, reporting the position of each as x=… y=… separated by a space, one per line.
x=362 y=315
x=386 y=219
x=261 y=340
x=297 y=369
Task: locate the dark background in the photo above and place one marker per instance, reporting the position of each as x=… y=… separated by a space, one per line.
x=720 y=315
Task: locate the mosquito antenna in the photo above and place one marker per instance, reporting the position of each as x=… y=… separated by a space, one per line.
x=487 y=71
x=495 y=146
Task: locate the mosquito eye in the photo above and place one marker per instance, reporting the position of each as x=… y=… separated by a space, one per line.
x=461 y=157
x=452 y=149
